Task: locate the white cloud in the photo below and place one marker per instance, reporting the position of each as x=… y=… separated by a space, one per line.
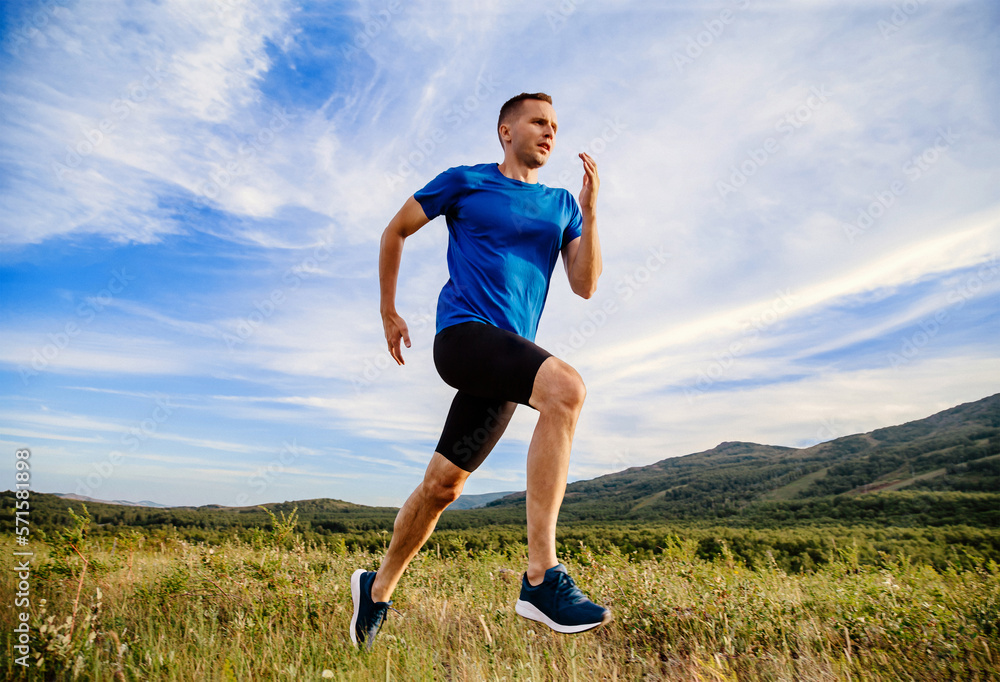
x=960 y=248
x=365 y=130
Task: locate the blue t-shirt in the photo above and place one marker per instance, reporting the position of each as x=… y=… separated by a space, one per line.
x=504 y=237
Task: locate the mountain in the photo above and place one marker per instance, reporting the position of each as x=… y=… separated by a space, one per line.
x=940 y=471
x=956 y=450
x=124 y=503
x=477 y=501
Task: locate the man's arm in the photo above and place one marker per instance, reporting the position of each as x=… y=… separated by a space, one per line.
x=582 y=256
x=408 y=220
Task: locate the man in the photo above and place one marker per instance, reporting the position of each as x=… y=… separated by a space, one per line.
x=505 y=234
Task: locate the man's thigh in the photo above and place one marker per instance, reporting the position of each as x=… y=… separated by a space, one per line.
x=488 y=362
x=472 y=429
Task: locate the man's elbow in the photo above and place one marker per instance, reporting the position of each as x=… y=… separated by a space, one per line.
x=585 y=290
x=394 y=232
x=585 y=285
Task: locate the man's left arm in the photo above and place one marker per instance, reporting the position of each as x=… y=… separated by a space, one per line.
x=582 y=256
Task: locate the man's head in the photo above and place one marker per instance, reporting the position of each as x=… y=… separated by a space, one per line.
x=527 y=124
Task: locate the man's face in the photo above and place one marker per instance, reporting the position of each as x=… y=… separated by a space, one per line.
x=531 y=133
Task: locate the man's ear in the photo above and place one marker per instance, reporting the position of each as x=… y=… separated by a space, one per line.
x=504 y=134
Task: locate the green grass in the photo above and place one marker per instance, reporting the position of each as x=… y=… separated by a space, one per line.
x=792 y=490
x=275 y=610
x=901 y=482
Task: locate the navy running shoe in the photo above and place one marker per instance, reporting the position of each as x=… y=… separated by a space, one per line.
x=368 y=615
x=559 y=603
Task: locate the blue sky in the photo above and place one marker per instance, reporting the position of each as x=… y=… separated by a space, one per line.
x=799 y=216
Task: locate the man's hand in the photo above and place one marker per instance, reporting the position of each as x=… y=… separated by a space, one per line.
x=408 y=220
x=582 y=256
x=395 y=329
x=591 y=183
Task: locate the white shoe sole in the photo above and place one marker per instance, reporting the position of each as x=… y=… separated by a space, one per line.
x=356 y=596
x=531 y=612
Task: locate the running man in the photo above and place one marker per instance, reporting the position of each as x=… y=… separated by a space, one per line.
x=505 y=233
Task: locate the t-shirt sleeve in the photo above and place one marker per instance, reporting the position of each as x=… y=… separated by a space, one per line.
x=441 y=193
x=575 y=227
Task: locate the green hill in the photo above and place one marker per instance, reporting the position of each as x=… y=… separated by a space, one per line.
x=939 y=471
x=956 y=451
x=49 y=513
x=477 y=501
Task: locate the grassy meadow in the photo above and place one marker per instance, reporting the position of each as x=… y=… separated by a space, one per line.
x=275 y=608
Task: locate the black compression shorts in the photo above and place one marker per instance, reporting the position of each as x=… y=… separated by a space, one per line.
x=493 y=370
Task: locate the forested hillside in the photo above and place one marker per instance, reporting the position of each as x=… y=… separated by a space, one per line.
x=943 y=471
x=956 y=451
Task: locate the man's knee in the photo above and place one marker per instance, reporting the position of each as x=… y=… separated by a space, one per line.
x=442 y=494
x=561 y=387
x=574 y=391
x=441 y=489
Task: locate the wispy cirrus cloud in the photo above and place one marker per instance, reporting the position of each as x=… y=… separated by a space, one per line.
x=799 y=225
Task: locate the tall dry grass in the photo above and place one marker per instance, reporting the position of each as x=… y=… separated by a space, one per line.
x=170 y=610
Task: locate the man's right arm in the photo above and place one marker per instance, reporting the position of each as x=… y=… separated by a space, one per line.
x=409 y=219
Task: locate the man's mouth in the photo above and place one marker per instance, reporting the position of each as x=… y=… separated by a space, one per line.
x=545 y=146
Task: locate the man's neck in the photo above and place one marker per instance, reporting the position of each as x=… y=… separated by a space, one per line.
x=518 y=171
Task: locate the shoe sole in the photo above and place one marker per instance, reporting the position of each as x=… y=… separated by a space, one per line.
x=356 y=596
x=528 y=610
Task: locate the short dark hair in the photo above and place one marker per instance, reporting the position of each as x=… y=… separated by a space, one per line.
x=511 y=106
